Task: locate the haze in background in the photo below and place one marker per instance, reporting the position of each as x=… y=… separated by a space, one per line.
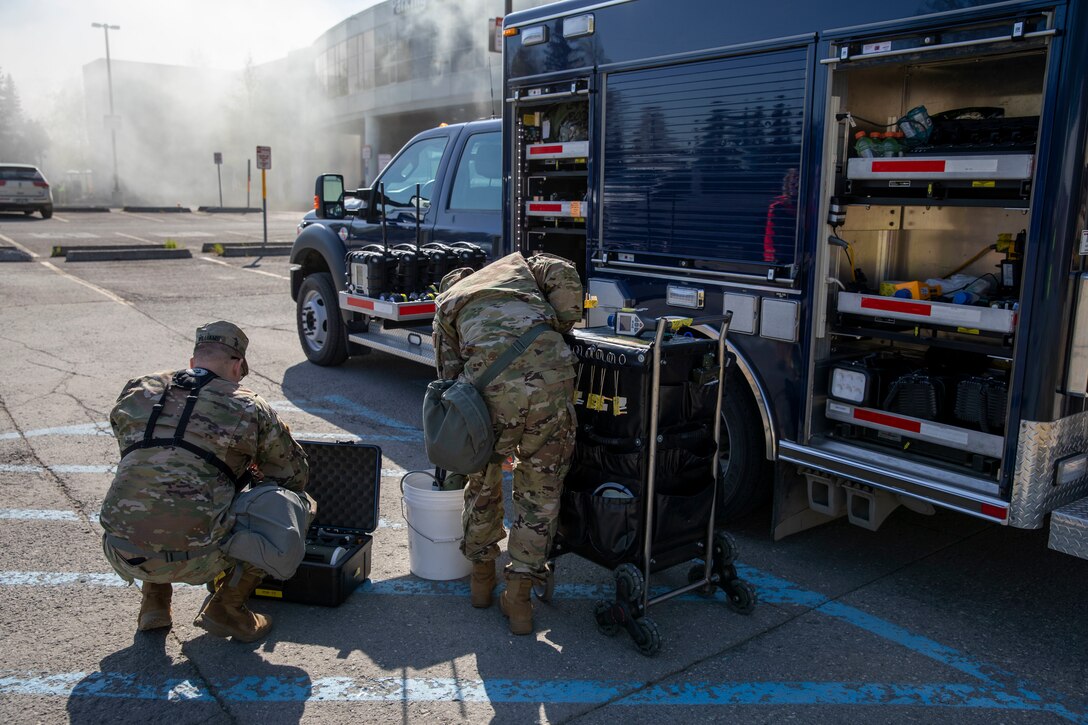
x=45 y=44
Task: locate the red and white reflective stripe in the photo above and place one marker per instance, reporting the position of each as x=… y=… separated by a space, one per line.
x=389 y=308
x=537 y=206
x=891 y=421
x=929 y=166
x=360 y=302
x=538 y=150
x=896 y=305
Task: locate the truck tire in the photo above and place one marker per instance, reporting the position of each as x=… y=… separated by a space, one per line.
x=320 y=327
x=745 y=473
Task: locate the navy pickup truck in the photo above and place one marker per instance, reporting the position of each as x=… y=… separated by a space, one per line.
x=450 y=177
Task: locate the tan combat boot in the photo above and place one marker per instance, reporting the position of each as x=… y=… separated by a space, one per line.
x=226 y=614
x=482 y=583
x=155 y=606
x=517 y=604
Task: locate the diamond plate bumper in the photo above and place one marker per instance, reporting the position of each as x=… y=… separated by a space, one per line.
x=1041 y=446
x=1069 y=529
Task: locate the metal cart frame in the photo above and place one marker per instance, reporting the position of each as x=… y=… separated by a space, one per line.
x=632 y=592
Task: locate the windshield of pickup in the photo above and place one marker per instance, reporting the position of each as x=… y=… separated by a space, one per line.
x=416 y=164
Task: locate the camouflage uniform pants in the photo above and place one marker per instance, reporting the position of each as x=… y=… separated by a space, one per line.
x=534 y=422
x=199 y=570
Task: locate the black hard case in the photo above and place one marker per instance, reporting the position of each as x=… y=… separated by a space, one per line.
x=614 y=448
x=345 y=480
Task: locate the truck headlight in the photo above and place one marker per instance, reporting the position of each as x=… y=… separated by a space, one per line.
x=851 y=384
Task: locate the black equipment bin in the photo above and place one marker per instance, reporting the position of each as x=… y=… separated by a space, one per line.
x=345 y=480
x=641 y=493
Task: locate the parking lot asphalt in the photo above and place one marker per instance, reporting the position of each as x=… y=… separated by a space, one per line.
x=938 y=619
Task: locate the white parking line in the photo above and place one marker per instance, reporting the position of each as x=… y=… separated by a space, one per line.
x=143 y=216
x=138 y=239
x=244 y=269
x=87 y=284
x=18 y=246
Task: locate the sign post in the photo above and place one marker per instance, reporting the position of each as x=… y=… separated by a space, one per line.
x=264 y=162
x=249 y=176
x=218 y=158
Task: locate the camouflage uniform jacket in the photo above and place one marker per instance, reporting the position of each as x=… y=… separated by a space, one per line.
x=483 y=313
x=169 y=499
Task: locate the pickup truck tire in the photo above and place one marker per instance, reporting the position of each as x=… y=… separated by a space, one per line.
x=320 y=328
x=744 y=473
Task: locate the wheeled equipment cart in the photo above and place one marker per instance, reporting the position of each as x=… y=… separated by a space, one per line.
x=641 y=493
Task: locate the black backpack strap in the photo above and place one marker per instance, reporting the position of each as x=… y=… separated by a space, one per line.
x=520 y=345
x=183 y=422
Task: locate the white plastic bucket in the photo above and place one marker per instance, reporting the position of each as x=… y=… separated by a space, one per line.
x=434 y=528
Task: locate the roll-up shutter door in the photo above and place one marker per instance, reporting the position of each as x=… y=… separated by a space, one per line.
x=701 y=159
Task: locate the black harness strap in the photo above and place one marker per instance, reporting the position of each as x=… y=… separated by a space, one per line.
x=183 y=422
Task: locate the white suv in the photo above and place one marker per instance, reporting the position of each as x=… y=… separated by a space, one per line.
x=23 y=188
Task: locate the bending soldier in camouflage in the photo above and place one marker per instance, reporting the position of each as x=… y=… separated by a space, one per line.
x=168 y=508
x=479 y=315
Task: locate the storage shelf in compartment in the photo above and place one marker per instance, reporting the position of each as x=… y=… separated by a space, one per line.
x=565 y=150
x=928 y=313
x=989 y=167
x=950 y=436
x=549 y=231
x=558 y=174
x=995 y=348
x=1006 y=202
x=555 y=208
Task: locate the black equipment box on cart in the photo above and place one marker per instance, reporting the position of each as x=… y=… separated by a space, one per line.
x=641 y=492
x=345 y=478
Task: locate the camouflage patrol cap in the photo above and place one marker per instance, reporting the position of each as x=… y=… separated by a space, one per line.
x=225 y=333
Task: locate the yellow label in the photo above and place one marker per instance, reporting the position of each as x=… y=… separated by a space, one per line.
x=274 y=593
x=983 y=184
x=595 y=402
x=967 y=330
x=619 y=405
x=576 y=208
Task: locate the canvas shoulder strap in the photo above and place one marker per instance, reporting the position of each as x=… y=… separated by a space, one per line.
x=519 y=346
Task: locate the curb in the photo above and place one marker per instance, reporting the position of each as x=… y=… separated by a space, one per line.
x=158 y=209
x=11 y=254
x=109 y=255
x=229 y=210
x=69 y=209
x=272 y=250
x=62 y=250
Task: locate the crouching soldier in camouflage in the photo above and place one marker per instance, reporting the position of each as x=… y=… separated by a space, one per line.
x=188 y=440
x=479 y=315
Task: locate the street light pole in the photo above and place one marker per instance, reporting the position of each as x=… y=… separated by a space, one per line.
x=106 y=28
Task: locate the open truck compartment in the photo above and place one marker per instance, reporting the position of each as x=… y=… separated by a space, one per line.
x=930 y=149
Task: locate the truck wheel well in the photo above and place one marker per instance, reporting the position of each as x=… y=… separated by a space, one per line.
x=309 y=262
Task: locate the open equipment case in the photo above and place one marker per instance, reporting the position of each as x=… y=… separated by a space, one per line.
x=345 y=479
x=641 y=492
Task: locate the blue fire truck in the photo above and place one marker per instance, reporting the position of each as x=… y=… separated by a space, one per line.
x=890 y=198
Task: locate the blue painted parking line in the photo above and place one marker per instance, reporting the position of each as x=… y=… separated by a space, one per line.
x=622 y=693
x=999 y=689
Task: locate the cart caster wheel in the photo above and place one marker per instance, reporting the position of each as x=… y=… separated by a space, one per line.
x=725 y=549
x=647 y=637
x=545 y=591
x=741 y=596
x=696 y=573
x=606 y=623
x=629 y=582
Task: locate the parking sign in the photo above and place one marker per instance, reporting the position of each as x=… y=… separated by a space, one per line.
x=264 y=157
